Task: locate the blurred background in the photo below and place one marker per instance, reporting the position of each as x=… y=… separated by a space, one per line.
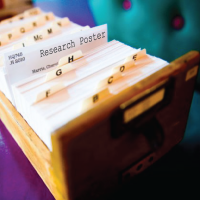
x=167 y=29
x=9 y=8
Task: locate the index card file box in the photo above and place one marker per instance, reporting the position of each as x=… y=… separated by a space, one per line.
x=116 y=139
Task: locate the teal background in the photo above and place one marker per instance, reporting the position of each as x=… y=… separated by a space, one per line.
x=148 y=24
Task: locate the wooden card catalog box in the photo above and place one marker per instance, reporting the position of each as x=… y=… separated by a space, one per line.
x=114 y=140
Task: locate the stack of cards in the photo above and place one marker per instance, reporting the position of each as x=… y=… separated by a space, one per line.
x=28 y=29
x=59 y=79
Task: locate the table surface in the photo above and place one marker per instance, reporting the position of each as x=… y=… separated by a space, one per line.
x=18 y=178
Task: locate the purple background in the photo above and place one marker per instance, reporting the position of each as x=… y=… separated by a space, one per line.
x=18 y=179
x=77 y=10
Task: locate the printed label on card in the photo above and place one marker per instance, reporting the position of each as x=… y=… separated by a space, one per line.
x=44 y=56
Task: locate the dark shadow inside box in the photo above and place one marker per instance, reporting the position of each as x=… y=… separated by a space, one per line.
x=177 y=173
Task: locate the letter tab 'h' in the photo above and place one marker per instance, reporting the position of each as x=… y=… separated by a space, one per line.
x=71 y=59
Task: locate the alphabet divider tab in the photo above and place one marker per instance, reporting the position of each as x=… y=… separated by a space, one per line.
x=28 y=13
x=49 y=16
x=52 y=90
x=96 y=98
x=18 y=17
x=32 y=12
x=136 y=56
x=42 y=20
x=124 y=67
x=62 y=22
x=21 y=45
x=15 y=34
x=12 y=35
x=58 y=72
x=22 y=29
x=70 y=58
x=117 y=72
x=109 y=80
x=43 y=34
x=51 y=30
x=3 y=40
x=39 y=21
x=6 y=21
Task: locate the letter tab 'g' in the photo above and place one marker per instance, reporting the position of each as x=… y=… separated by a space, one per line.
x=59 y=72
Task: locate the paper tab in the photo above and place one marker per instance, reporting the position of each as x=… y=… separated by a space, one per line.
x=124 y=67
x=8 y=37
x=109 y=80
x=26 y=14
x=45 y=94
x=39 y=21
x=58 y=72
x=43 y=34
x=96 y=98
x=12 y=35
x=32 y=12
x=6 y=21
x=70 y=58
x=136 y=56
x=62 y=22
x=3 y=40
x=20 y=45
x=22 y=29
x=18 y=17
x=49 y=16
x=42 y=20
